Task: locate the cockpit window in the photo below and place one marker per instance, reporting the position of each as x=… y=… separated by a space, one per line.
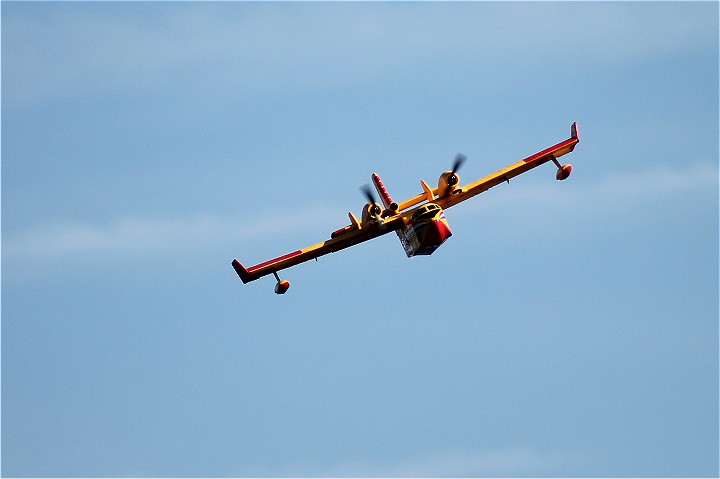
x=426 y=212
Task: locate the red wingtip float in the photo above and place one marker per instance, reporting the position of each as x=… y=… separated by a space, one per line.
x=419 y=221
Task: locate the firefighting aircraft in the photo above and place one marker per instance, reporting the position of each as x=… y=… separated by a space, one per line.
x=419 y=221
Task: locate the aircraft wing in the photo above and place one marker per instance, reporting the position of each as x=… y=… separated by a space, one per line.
x=539 y=158
x=359 y=234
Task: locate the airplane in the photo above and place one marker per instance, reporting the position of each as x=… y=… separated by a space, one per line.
x=419 y=222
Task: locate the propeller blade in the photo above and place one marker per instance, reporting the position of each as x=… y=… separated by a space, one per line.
x=459 y=160
x=368 y=192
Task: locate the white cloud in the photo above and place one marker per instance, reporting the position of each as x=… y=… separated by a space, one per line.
x=611 y=191
x=513 y=462
x=501 y=462
x=139 y=237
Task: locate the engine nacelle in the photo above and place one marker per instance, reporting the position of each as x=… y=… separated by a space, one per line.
x=371 y=213
x=391 y=210
x=447 y=183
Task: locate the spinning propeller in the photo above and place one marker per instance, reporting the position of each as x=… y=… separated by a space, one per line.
x=376 y=210
x=453 y=179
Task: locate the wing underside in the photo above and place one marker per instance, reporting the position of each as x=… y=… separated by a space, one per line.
x=357 y=236
x=549 y=154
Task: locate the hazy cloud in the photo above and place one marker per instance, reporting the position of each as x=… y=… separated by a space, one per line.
x=613 y=190
x=138 y=236
x=510 y=462
x=249 y=47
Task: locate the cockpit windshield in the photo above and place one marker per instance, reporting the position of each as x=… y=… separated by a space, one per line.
x=426 y=212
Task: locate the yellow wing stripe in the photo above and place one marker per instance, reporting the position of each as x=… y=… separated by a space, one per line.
x=483 y=184
x=305 y=254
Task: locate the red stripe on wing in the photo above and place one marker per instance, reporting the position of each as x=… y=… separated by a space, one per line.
x=252 y=269
x=548 y=151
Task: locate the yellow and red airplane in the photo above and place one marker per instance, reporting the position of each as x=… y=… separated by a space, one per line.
x=419 y=221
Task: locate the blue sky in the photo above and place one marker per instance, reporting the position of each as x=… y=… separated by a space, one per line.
x=566 y=329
